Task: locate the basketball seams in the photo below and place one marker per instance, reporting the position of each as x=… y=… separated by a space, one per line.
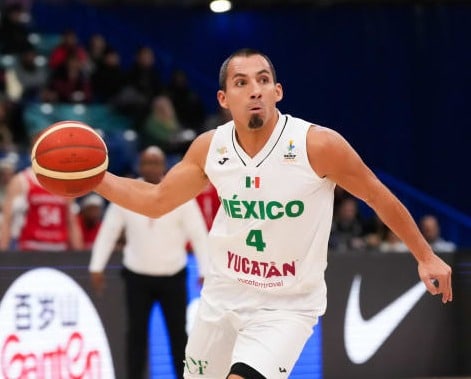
x=62 y=125
x=58 y=160
x=75 y=175
x=58 y=148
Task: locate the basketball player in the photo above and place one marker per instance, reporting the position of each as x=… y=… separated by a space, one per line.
x=275 y=175
x=36 y=220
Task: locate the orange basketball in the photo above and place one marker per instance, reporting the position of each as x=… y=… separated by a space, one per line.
x=69 y=158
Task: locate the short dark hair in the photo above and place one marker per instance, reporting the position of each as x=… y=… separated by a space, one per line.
x=245 y=52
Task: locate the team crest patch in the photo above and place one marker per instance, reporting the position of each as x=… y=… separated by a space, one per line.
x=290 y=155
x=222 y=151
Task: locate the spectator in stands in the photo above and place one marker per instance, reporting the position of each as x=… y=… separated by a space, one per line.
x=92 y=207
x=188 y=104
x=6 y=134
x=13 y=29
x=48 y=222
x=7 y=171
x=374 y=231
x=339 y=195
x=163 y=128
x=220 y=117
x=68 y=46
x=2 y=80
x=154 y=266
x=70 y=83
x=26 y=80
x=430 y=228
x=143 y=83
x=96 y=49
x=391 y=243
x=144 y=75
x=347 y=226
x=109 y=78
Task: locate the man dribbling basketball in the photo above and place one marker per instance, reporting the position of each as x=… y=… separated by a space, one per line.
x=275 y=176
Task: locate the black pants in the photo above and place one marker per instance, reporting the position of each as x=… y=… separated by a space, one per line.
x=141 y=293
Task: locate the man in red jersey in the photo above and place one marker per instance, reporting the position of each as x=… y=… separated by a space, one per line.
x=36 y=220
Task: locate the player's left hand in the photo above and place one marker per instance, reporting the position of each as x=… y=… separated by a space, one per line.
x=436 y=275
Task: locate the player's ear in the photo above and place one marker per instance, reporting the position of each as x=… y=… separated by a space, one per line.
x=279 y=92
x=221 y=95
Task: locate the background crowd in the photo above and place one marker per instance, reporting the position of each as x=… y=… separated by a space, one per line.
x=166 y=112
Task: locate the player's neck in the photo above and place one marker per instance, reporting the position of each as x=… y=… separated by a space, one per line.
x=253 y=140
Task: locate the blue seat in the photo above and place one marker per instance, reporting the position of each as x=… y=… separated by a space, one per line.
x=44 y=43
x=38 y=116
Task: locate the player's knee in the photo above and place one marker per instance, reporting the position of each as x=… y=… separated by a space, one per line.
x=244 y=371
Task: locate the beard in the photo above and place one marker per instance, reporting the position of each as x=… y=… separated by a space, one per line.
x=255 y=122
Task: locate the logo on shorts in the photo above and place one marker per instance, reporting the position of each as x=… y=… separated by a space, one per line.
x=195 y=366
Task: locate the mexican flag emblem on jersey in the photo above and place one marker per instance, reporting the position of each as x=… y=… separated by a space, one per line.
x=252 y=182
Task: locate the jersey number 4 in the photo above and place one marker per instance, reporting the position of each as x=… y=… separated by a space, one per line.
x=255 y=239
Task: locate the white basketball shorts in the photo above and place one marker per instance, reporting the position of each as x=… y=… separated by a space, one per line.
x=270 y=341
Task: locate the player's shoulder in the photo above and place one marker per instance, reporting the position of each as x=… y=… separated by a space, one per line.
x=322 y=136
x=199 y=148
x=201 y=142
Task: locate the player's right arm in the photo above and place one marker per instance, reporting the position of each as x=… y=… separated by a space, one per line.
x=331 y=156
x=183 y=182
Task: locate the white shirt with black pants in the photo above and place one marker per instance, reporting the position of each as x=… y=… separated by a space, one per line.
x=154 y=260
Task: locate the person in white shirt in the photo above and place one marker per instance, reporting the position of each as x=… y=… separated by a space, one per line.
x=154 y=260
x=430 y=228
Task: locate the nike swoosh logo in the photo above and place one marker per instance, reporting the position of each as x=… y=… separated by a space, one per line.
x=363 y=337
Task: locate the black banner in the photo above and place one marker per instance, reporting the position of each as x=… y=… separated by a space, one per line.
x=380 y=322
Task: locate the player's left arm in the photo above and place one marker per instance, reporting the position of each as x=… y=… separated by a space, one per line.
x=331 y=156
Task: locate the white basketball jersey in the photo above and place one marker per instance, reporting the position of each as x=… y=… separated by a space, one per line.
x=270 y=236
